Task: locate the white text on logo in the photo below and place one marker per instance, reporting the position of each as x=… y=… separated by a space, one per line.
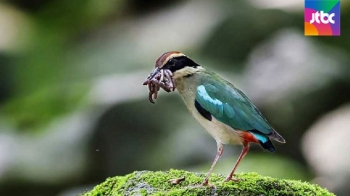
x=322 y=17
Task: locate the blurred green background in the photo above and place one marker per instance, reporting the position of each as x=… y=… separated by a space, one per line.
x=73 y=110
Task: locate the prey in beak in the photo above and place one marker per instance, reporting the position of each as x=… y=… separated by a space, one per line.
x=159 y=78
x=162 y=76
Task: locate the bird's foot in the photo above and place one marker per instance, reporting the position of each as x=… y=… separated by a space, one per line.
x=176 y=180
x=228 y=179
x=206 y=183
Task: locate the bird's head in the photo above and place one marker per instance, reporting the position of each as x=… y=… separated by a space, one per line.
x=170 y=67
x=178 y=63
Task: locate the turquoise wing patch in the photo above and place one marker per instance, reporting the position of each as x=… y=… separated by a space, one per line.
x=232 y=107
x=214 y=106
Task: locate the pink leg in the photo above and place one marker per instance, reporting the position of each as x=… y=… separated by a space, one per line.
x=220 y=150
x=241 y=156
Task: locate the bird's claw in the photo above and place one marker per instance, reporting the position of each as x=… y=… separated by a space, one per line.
x=209 y=185
x=205 y=183
x=232 y=179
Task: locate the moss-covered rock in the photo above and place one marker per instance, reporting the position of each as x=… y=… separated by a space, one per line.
x=157 y=184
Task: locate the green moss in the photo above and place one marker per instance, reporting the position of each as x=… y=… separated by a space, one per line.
x=156 y=184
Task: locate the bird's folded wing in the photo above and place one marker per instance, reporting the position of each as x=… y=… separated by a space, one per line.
x=230 y=106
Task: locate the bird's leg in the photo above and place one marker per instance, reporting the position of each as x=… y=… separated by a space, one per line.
x=220 y=150
x=241 y=156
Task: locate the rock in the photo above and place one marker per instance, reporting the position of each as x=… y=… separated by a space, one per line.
x=157 y=183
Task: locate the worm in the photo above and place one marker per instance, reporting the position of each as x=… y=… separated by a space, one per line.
x=162 y=80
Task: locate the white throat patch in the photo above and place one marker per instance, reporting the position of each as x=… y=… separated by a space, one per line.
x=186 y=71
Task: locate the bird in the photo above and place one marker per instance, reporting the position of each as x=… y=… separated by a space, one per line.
x=224 y=111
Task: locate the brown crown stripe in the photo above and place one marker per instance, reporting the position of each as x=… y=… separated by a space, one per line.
x=162 y=60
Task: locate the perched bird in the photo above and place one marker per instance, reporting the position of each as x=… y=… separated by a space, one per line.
x=221 y=108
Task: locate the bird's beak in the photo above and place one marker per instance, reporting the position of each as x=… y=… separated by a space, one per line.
x=154 y=73
x=151 y=76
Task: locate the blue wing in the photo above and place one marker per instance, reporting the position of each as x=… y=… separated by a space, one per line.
x=230 y=106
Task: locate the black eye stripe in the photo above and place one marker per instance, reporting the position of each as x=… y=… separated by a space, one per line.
x=171 y=62
x=178 y=63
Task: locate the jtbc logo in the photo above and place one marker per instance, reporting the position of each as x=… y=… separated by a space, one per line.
x=324 y=17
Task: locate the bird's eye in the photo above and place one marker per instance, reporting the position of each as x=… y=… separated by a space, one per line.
x=171 y=62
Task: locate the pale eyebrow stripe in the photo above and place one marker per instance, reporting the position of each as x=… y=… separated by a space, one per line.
x=172 y=55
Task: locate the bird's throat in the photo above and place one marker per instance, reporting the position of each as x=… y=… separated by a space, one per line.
x=186 y=71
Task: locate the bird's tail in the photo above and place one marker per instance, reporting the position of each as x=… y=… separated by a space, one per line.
x=268 y=145
x=277 y=137
x=264 y=141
